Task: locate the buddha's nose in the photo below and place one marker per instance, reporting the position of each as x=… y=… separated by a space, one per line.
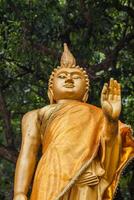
x=69 y=79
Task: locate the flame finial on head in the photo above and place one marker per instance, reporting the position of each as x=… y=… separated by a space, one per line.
x=67 y=58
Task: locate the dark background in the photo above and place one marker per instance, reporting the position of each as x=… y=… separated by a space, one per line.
x=101 y=36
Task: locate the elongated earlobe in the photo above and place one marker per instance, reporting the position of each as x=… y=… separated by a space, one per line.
x=85 y=97
x=50 y=96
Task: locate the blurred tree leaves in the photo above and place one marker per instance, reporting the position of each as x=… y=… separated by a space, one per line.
x=32 y=32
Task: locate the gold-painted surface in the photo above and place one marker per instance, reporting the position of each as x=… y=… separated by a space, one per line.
x=67 y=58
x=84 y=148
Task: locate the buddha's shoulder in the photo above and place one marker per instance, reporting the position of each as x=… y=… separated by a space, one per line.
x=39 y=113
x=46 y=109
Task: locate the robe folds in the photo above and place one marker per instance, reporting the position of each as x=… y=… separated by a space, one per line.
x=73 y=141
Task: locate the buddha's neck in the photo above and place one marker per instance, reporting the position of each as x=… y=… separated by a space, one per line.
x=67 y=101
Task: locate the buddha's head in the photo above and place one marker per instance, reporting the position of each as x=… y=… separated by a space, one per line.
x=68 y=81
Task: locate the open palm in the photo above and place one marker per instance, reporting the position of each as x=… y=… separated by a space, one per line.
x=111 y=99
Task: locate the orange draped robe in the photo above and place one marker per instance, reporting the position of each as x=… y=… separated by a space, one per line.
x=73 y=142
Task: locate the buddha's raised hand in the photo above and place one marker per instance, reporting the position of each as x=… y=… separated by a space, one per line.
x=111 y=99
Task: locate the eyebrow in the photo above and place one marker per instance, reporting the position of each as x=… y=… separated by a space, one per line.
x=65 y=72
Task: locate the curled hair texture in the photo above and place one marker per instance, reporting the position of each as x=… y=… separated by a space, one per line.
x=50 y=82
x=67 y=61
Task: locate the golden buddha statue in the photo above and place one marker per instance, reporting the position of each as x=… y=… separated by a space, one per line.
x=84 y=148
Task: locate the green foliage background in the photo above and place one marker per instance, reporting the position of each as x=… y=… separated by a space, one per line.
x=32 y=32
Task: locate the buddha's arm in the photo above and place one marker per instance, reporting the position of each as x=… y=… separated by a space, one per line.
x=28 y=154
x=111 y=130
x=111 y=106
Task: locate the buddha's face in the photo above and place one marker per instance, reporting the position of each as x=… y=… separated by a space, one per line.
x=69 y=83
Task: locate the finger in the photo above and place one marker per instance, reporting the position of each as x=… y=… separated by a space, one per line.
x=89 y=182
x=119 y=91
x=115 y=90
x=105 y=88
x=87 y=176
x=111 y=89
x=111 y=85
x=104 y=92
x=115 y=86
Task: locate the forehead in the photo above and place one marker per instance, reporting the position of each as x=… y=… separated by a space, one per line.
x=69 y=71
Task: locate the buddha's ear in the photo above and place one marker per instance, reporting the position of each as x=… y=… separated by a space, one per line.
x=50 y=96
x=85 y=97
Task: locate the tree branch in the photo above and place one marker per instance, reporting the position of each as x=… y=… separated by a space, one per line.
x=7 y=121
x=45 y=50
x=86 y=13
x=114 y=53
x=26 y=70
x=129 y=10
x=6 y=85
x=8 y=154
x=23 y=67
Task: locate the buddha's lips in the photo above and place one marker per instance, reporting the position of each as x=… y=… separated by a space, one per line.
x=69 y=85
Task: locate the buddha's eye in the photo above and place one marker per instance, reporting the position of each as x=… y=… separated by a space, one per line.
x=76 y=76
x=62 y=76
